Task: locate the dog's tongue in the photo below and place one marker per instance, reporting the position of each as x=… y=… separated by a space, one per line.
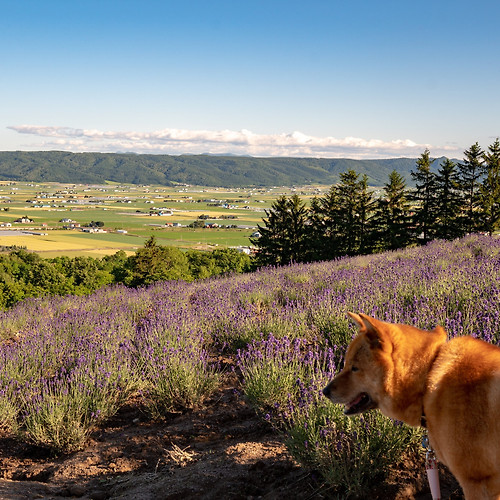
x=356 y=401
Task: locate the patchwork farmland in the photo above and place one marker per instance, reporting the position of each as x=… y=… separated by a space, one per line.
x=54 y=219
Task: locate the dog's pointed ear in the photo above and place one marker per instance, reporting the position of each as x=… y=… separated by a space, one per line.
x=357 y=319
x=364 y=322
x=373 y=330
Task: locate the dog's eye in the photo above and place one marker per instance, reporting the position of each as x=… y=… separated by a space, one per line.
x=354 y=369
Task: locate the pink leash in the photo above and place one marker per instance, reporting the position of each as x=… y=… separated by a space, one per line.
x=431 y=467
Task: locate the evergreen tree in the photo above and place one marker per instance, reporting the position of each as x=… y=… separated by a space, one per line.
x=448 y=201
x=314 y=231
x=323 y=226
x=283 y=237
x=424 y=198
x=392 y=225
x=470 y=172
x=490 y=189
x=366 y=206
x=347 y=213
x=340 y=221
x=352 y=213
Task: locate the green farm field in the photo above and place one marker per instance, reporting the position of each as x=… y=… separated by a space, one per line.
x=128 y=215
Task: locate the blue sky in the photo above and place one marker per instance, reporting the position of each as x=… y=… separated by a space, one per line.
x=321 y=78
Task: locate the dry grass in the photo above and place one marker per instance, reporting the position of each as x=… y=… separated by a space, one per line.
x=180 y=457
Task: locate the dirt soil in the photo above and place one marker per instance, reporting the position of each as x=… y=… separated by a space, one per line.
x=222 y=451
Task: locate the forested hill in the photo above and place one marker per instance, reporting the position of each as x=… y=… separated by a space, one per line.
x=203 y=170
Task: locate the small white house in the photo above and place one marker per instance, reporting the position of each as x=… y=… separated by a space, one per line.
x=24 y=220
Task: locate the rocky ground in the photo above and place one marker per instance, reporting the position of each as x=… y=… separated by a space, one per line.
x=222 y=451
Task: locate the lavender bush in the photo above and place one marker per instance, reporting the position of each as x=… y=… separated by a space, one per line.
x=69 y=374
x=351 y=454
x=276 y=370
x=175 y=365
x=283 y=380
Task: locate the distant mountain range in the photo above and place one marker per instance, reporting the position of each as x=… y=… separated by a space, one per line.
x=202 y=170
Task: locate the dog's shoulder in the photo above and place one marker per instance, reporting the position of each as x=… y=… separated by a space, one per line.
x=464 y=360
x=472 y=351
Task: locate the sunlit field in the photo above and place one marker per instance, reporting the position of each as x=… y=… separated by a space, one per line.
x=61 y=242
x=124 y=212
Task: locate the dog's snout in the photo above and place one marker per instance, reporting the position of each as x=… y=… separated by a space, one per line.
x=326 y=391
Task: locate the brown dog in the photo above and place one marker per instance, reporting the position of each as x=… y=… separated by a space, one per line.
x=418 y=377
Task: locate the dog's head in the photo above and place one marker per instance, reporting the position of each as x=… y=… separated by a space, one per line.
x=360 y=386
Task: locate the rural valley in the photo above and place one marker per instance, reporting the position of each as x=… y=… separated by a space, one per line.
x=56 y=219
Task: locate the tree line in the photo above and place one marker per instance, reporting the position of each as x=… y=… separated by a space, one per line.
x=455 y=199
x=25 y=274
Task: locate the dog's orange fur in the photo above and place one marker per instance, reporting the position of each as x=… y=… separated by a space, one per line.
x=408 y=373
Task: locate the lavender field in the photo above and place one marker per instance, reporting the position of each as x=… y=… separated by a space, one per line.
x=69 y=363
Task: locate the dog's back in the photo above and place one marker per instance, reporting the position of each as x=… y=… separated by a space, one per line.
x=462 y=408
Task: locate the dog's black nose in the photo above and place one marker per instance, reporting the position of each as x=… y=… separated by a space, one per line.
x=326 y=391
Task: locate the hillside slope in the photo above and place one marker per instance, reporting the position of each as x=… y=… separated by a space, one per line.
x=203 y=170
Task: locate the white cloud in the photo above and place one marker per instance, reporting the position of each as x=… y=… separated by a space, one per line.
x=243 y=142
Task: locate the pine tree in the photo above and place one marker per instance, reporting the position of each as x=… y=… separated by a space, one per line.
x=298 y=219
x=340 y=221
x=355 y=205
x=391 y=220
x=424 y=197
x=324 y=226
x=448 y=202
x=490 y=189
x=366 y=207
x=314 y=231
x=283 y=237
x=470 y=172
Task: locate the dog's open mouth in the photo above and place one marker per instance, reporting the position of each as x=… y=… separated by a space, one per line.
x=361 y=403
